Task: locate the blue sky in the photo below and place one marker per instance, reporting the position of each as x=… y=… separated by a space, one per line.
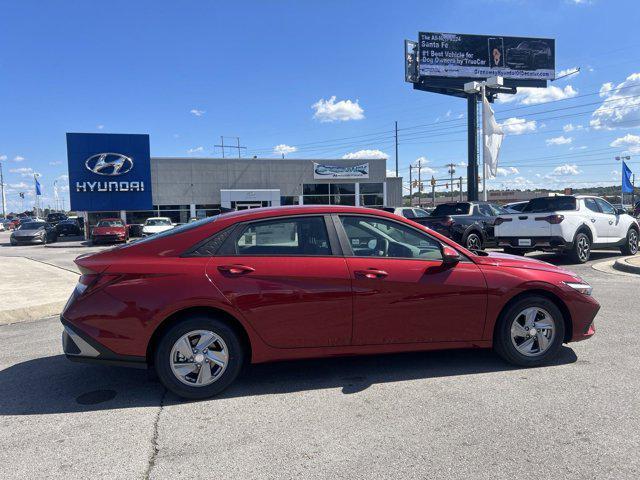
x=187 y=72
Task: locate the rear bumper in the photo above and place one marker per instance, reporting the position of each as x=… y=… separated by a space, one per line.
x=554 y=242
x=80 y=347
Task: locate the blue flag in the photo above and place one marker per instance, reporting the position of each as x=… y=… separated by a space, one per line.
x=38 y=191
x=627 y=187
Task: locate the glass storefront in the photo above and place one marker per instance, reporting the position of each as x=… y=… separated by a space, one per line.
x=371 y=194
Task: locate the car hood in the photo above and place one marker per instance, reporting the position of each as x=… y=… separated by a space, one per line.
x=27 y=233
x=108 y=230
x=513 y=261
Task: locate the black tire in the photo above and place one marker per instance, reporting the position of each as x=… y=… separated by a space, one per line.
x=162 y=357
x=503 y=344
x=630 y=247
x=581 y=250
x=473 y=241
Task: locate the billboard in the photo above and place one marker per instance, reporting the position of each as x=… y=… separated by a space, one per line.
x=109 y=172
x=482 y=56
x=321 y=171
x=411 y=61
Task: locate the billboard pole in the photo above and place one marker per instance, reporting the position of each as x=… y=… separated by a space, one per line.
x=472 y=147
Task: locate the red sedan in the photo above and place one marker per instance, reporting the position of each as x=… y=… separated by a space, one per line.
x=199 y=301
x=110 y=230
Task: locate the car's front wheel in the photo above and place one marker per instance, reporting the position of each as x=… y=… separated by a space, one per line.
x=630 y=247
x=473 y=242
x=530 y=332
x=199 y=357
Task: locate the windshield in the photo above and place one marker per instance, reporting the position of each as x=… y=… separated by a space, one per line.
x=155 y=222
x=31 y=225
x=172 y=231
x=110 y=223
x=451 y=209
x=550 y=204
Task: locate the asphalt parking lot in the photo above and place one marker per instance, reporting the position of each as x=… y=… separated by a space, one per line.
x=457 y=414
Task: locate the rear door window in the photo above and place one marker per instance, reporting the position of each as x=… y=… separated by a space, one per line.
x=591 y=204
x=408 y=213
x=287 y=236
x=461 y=208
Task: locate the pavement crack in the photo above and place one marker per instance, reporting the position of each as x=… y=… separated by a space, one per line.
x=151 y=463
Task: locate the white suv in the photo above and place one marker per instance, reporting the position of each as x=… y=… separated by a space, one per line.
x=569 y=224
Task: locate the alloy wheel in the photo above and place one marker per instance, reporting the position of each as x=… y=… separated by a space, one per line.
x=473 y=242
x=633 y=242
x=583 y=248
x=533 y=331
x=199 y=358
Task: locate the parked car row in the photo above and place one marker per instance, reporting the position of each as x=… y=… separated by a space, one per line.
x=567 y=224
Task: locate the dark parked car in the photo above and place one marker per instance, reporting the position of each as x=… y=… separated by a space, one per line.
x=54 y=218
x=68 y=227
x=198 y=301
x=33 y=232
x=530 y=55
x=468 y=223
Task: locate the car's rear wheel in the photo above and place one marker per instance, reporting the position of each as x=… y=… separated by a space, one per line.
x=581 y=250
x=530 y=332
x=473 y=242
x=199 y=357
x=631 y=245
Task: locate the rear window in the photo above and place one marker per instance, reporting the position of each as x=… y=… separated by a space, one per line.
x=110 y=223
x=550 y=204
x=172 y=231
x=451 y=209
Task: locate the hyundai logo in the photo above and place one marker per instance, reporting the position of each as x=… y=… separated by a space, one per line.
x=110 y=164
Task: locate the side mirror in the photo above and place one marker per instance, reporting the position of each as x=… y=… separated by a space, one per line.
x=449 y=255
x=620 y=211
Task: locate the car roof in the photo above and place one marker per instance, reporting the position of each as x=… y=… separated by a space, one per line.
x=109 y=220
x=243 y=215
x=158 y=218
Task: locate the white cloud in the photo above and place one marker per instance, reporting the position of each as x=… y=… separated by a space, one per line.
x=629 y=141
x=18 y=158
x=615 y=175
x=54 y=163
x=283 y=149
x=573 y=70
x=581 y=147
x=518 y=126
x=504 y=172
x=99 y=127
x=566 y=169
x=570 y=127
x=63 y=178
x=23 y=171
x=332 y=111
x=3 y=158
x=621 y=106
x=196 y=112
x=561 y=140
x=533 y=96
x=18 y=186
x=421 y=163
x=365 y=154
x=195 y=150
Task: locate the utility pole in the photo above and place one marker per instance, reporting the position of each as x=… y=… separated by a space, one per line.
x=410 y=186
x=452 y=170
x=460 y=184
x=396 y=148
x=4 y=199
x=419 y=182
x=237 y=147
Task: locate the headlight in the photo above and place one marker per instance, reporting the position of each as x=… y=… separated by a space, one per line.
x=583 y=288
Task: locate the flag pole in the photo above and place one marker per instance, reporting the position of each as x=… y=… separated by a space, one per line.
x=484 y=159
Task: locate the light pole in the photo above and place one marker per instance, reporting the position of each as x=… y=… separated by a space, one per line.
x=622 y=158
x=452 y=171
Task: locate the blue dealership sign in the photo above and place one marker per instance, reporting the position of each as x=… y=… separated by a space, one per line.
x=109 y=172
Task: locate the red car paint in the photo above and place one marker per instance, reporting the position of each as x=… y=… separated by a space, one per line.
x=114 y=233
x=302 y=307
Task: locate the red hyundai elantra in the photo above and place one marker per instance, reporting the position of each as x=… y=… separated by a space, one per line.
x=199 y=301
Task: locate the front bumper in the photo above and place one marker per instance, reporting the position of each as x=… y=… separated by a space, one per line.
x=80 y=347
x=109 y=238
x=28 y=240
x=551 y=243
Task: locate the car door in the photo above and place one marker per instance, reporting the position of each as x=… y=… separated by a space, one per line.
x=487 y=219
x=612 y=221
x=403 y=292
x=599 y=221
x=288 y=280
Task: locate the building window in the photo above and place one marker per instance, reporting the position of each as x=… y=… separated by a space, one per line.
x=329 y=194
x=372 y=194
x=203 y=211
x=289 y=200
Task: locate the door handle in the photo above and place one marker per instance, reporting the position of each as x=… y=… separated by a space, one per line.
x=236 y=269
x=372 y=273
x=593 y=220
x=610 y=222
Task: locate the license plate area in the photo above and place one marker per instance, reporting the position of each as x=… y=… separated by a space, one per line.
x=524 y=242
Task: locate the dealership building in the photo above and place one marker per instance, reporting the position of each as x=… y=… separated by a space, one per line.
x=114 y=176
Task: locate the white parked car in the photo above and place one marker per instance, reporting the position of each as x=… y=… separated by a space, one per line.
x=568 y=224
x=408 y=212
x=155 y=225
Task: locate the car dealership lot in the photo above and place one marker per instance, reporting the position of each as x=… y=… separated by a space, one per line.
x=442 y=414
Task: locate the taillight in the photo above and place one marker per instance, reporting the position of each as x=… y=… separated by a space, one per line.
x=552 y=219
x=500 y=220
x=447 y=221
x=88 y=283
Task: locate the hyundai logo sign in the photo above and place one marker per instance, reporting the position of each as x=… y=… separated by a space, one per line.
x=110 y=164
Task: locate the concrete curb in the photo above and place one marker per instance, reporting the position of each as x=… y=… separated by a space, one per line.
x=623 y=265
x=28 y=314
